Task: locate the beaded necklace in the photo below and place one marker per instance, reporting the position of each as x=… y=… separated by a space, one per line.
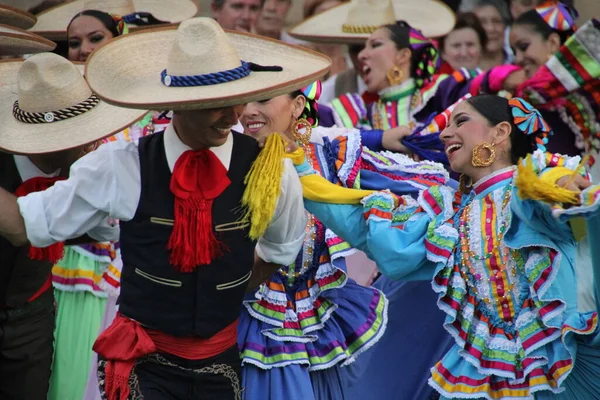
x=468 y=256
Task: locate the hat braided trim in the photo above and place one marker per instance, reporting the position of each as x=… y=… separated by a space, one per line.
x=216 y=78
x=206 y=79
x=359 y=29
x=52 y=116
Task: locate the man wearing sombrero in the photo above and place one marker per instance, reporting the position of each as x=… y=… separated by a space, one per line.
x=49 y=118
x=192 y=218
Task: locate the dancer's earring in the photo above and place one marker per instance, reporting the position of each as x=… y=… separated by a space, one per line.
x=395 y=76
x=301 y=130
x=478 y=160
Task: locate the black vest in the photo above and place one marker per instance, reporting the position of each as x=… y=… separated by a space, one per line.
x=20 y=276
x=202 y=302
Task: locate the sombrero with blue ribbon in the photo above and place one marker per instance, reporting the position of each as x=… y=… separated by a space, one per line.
x=138 y=14
x=198 y=65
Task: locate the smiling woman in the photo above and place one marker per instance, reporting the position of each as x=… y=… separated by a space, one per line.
x=499 y=256
x=464 y=45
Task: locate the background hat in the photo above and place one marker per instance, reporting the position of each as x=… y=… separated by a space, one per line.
x=203 y=53
x=353 y=23
x=48 y=85
x=15 y=17
x=53 y=22
x=15 y=41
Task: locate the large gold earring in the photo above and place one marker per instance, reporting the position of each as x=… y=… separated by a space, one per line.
x=298 y=126
x=477 y=160
x=395 y=76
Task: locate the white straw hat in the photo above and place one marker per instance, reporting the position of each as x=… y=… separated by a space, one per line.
x=198 y=52
x=15 y=17
x=15 y=41
x=53 y=22
x=354 y=22
x=59 y=106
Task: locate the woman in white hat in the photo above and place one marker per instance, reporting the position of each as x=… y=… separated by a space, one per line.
x=50 y=117
x=188 y=247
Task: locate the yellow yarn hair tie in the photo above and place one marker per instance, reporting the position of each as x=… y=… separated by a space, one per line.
x=263 y=185
x=544 y=188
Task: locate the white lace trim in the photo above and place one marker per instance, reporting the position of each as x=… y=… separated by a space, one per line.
x=353 y=146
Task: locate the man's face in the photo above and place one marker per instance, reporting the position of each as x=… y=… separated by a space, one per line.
x=273 y=14
x=239 y=15
x=201 y=129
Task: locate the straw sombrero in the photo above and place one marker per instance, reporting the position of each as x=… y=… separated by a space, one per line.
x=53 y=22
x=198 y=65
x=354 y=22
x=56 y=109
x=15 y=17
x=15 y=41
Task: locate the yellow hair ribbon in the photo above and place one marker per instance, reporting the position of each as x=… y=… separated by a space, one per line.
x=263 y=185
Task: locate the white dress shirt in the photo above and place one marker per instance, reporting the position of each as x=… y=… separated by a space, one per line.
x=106 y=183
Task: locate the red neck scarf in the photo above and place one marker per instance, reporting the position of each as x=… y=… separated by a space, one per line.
x=54 y=252
x=198 y=178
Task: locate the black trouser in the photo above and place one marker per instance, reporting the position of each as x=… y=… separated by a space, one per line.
x=166 y=377
x=26 y=348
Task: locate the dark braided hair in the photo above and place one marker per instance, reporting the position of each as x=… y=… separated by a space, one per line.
x=496 y=109
x=425 y=56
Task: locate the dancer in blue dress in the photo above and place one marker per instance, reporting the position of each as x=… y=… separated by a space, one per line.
x=499 y=253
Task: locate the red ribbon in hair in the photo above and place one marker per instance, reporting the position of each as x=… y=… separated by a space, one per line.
x=198 y=178
x=54 y=252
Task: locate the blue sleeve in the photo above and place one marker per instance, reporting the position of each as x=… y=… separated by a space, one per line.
x=398 y=253
x=346 y=220
x=372 y=138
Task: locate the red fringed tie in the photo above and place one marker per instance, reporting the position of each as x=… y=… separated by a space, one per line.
x=54 y=252
x=198 y=178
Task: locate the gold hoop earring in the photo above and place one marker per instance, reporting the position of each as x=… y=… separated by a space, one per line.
x=477 y=160
x=395 y=76
x=302 y=138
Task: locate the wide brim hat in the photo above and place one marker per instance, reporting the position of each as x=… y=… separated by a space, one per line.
x=43 y=80
x=15 y=41
x=198 y=50
x=53 y=23
x=15 y=17
x=354 y=22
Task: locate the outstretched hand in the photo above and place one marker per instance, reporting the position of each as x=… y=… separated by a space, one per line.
x=392 y=139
